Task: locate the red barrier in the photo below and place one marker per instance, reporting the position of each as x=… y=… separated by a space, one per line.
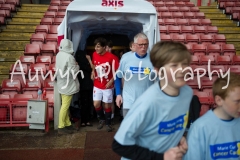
x=199 y=3
x=13 y=113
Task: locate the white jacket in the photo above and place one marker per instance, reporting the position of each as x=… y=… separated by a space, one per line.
x=66 y=68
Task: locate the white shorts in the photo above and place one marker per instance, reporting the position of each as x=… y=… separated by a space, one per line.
x=105 y=95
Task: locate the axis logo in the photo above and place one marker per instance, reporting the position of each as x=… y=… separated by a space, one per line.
x=112 y=3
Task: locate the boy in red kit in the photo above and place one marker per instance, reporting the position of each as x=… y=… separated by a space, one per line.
x=104 y=63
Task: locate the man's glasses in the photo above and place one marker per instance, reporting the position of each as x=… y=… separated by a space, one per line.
x=141 y=45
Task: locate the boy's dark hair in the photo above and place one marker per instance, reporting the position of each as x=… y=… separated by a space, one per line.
x=234 y=81
x=110 y=44
x=101 y=41
x=168 y=51
x=130 y=44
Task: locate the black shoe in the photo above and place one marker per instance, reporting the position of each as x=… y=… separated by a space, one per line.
x=69 y=127
x=109 y=128
x=101 y=124
x=64 y=131
x=112 y=121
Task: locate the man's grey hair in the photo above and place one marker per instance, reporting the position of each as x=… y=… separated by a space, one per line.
x=140 y=35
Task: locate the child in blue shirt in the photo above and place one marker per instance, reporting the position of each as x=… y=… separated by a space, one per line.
x=155 y=124
x=216 y=135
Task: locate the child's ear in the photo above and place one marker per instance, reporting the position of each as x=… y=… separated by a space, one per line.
x=218 y=100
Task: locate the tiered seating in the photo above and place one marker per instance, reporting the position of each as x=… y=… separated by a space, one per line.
x=183 y=22
x=230 y=7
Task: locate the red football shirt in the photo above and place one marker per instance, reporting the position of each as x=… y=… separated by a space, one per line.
x=104 y=66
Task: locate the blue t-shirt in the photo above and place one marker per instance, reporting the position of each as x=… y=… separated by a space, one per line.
x=211 y=138
x=156 y=121
x=138 y=75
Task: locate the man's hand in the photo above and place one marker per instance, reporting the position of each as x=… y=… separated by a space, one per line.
x=109 y=84
x=119 y=100
x=183 y=145
x=173 y=154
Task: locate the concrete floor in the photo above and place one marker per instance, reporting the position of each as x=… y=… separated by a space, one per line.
x=25 y=144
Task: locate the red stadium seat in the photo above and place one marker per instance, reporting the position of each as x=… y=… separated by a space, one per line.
x=193 y=83
x=44 y=59
x=173 y=9
x=194 y=9
x=223 y=60
x=203 y=97
x=32 y=49
x=235 y=68
x=42 y=28
x=213 y=48
x=49 y=49
x=164 y=15
x=5 y=13
x=55 y=3
x=53 y=59
x=218 y=68
x=212 y=30
x=27 y=60
x=181 y=21
x=49 y=14
x=178 y=37
x=205 y=22
x=194 y=21
x=169 y=21
x=205 y=39
x=46 y=21
x=199 y=29
x=31 y=85
x=228 y=49
x=37 y=37
x=173 y=29
x=199 y=15
x=160 y=22
x=203 y=60
x=199 y=49
x=165 y=37
x=8 y=85
x=57 y=21
x=189 y=4
x=48 y=85
x=9 y=7
x=188 y=15
x=177 y=15
x=52 y=68
x=236 y=59
x=53 y=29
x=219 y=38
x=159 y=4
x=2 y=21
x=162 y=9
x=199 y=69
x=189 y=47
x=192 y=38
x=186 y=29
x=17 y=69
x=62 y=8
x=204 y=109
x=207 y=83
x=184 y=9
x=180 y=4
x=51 y=38
x=169 y=3
x=195 y=59
x=53 y=8
x=163 y=29
x=60 y=14
x=65 y=3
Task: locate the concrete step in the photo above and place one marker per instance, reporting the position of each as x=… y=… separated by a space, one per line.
x=19 y=38
x=28 y=20
x=35 y=5
x=2 y=77
x=210 y=10
x=232 y=36
x=21 y=27
x=9 y=54
x=15 y=35
x=13 y=45
x=6 y=59
x=236 y=42
x=23 y=13
x=215 y=15
x=238 y=52
x=229 y=29
x=224 y=21
x=19 y=30
x=23 y=23
x=224 y=25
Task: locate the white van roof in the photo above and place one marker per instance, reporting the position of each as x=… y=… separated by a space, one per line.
x=128 y=17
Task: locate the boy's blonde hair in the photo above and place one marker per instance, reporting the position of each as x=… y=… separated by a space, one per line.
x=234 y=81
x=165 y=52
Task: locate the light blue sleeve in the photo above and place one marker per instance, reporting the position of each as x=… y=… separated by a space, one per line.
x=196 y=141
x=120 y=72
x=133 y=125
